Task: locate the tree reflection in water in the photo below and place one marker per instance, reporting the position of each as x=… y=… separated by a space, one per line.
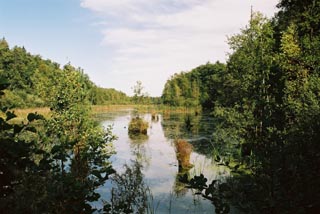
x=139 y=150
x=179 y=187
x=130 y=194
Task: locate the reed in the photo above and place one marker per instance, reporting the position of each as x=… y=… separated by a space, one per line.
x=138 y=126
x=22 y=114
x=183 y=151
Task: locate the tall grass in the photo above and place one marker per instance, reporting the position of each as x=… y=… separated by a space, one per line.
x=22 y=114
x=183 y=151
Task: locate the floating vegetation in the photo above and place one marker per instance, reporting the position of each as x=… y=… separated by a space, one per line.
x=183 y=151
x=155 y=117
x=138 y=126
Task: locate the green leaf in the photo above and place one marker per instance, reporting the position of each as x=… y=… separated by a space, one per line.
x=45 y=163
x=4 y=109
x=93 y=197
x=31 y=129
x=236 y=167
x=224 y=187
x=34 y=116
x=4 y=84
x=96 y=173
x=17 y=128
x=4 y=125
x=211 y=189
x=55 y=149
x=10 y=115
x=199 y=182
x=184 y=179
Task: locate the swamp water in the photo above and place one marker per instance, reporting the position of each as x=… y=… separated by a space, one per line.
x=157 y=162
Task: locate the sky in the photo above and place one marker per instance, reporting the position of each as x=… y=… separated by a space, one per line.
x=120 y=42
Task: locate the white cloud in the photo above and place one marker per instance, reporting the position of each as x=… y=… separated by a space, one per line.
x=152 y=39
x=130 y=7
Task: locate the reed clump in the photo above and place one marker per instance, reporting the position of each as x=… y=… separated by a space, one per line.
x=154 y=117
x=138 y=125
x=183 y=151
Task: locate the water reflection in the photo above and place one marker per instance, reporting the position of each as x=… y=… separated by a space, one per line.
x=129 y=193
x=197 y=129
x=179 y=187
x=158 y=162
x=139 y=149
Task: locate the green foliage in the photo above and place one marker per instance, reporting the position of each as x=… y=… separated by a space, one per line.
x=137 y=89
x=32 y=80
x=75 y=142
x=19 y=154
x=104 y=96
x=267 y=113
x=141 y=97
x=215 y=192
x=197 y=87
x=265 y=100
x=264 y=118
x=54 y=166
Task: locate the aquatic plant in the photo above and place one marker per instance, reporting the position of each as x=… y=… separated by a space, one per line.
x=138 y=126
x=183 y=151
x=154 y=117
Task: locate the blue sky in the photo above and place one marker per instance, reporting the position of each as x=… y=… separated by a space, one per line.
x=118 y=42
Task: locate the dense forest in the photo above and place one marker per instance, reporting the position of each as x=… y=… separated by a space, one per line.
x=32 y=78
x=198 y=87
x=264 y=99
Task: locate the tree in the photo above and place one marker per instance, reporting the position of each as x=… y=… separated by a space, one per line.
x=76 y=143
x=199 y=87
x=138 y=92
x=56 y=169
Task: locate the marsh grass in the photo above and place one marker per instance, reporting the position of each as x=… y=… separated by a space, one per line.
x=97 y=110
x=148 y=108
x=22 y=114
x=183 y=151
x=106 y=108
x=138 y=126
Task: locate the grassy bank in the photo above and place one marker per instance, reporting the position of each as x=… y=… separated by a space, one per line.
x=97 y=109
x=23 y=113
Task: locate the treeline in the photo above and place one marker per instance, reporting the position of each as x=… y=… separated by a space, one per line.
x=266 y=103
x=31 y=80
x=103 y=96
x=194 y=88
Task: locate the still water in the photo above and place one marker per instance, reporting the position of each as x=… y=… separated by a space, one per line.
x=156 y=155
